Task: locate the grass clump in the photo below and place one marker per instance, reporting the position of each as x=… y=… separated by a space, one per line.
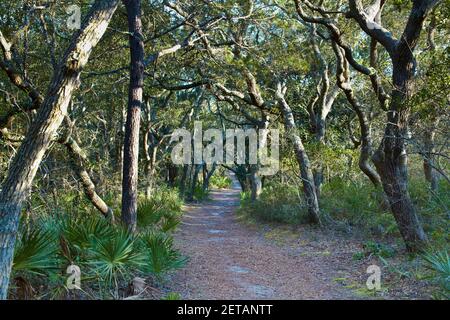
x=373 y=248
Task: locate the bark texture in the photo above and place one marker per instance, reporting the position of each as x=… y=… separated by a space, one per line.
x=131 y=143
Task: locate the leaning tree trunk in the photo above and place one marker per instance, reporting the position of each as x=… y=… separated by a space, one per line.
x=306 y=174
x=391 y=157
x=77 y=161
x=50 y=115
x=131 y=143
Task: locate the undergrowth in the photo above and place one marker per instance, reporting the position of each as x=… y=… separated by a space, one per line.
x=108 y=255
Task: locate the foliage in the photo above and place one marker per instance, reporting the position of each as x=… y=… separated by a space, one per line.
x=36 y=252
x=434 y=209
x=200 y=194
x=265 y=38
x=439 y=263
x=376 y=249
x=357 y=203
x=162 y=210
x=172 y=296
x=108 y=255
x=78 y=234
x=161 y=257
x=115 y=256
x=220 y=181
x=277 y=204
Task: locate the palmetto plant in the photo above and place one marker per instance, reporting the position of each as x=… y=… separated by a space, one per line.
x=221 y=182
x=107 y=255
x=149 y=212
x=162 y=256
x=155 y=213
x=170 y=222
x=36 y=252
x=81 y=231
x=116 y=256
x=439 y=263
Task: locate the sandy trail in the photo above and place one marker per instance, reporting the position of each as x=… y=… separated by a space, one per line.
x=229 y=260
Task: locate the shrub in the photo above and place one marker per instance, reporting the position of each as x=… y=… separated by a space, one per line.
x=200 y=194
x=220 y=182
x=277 y=203
x=357 y=203
x=433 y=208
x=376 y=249
x=35 y=259
x=77 y=234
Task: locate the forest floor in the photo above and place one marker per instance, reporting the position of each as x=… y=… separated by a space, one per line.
x=230 y=258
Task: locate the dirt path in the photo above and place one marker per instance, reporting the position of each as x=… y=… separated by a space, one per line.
x=229 y=260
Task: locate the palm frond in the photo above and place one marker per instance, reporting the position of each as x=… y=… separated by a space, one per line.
x=161 y=253
x=116 y=256
x=36 y=252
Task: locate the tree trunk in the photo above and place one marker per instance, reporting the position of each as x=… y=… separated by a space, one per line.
x=150 y=170
x=255 y=183
x=241 y=175
x=150 y=151
x=194 y=180
x=306 y=174
x=184 y=177
x=172 y=173
x=131 y=142
x=255 y=175
x=208 y=176
x=50 y=115
x=391 y=157
x=343 y=82
x=118 y=148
